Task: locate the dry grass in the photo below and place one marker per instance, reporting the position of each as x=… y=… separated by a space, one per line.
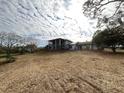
x=67 y=72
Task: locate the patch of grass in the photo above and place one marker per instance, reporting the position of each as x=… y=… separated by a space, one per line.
x=2 y=55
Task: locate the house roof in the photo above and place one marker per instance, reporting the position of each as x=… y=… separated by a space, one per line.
x=82 y=43
x=60 y=38
x=85 y=43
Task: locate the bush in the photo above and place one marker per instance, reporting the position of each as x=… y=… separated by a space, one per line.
x=10 y=59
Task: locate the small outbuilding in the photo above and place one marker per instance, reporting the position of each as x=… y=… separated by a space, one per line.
x=83 y=46
x=59 y=44
x=76 y=46
x=88 y=45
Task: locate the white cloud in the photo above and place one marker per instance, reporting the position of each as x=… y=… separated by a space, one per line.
x=48 y=18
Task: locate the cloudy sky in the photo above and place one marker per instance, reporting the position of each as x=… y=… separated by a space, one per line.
x=45 y=19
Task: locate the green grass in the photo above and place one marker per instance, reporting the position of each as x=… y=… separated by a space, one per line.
x=2 y=55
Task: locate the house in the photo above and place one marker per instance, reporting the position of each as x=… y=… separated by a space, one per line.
x=59 y=44
x=88 y=45
x=76 y=46
x=83 y=46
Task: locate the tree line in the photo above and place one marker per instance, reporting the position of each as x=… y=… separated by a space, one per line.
x=11 y=43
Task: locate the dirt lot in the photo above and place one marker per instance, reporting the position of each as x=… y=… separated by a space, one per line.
x=67 y=72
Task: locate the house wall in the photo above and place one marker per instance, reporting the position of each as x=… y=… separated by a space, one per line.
x=89 y=46
x=59 y=44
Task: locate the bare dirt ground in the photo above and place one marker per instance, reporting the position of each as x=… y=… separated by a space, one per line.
x=67 y=72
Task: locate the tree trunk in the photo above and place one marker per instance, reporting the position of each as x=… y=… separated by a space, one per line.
x=114 y=49
x=8 y=55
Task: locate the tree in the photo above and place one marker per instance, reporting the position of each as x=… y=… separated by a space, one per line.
x=31 y=47
x=26 y=44
x=10 y=41
x=2 y=38
x=98 y=39
x=96 y=9
x=13 y=43
x=111 y=37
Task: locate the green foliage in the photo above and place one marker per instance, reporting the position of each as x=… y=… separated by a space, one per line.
x=9 y=58
x=111 y=38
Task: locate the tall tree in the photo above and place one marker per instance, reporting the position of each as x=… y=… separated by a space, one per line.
x=96 y=9
x=10 y=40
x=2 y=38
x=111 y=38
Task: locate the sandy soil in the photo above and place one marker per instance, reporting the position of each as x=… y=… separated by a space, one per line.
x=67 y=72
